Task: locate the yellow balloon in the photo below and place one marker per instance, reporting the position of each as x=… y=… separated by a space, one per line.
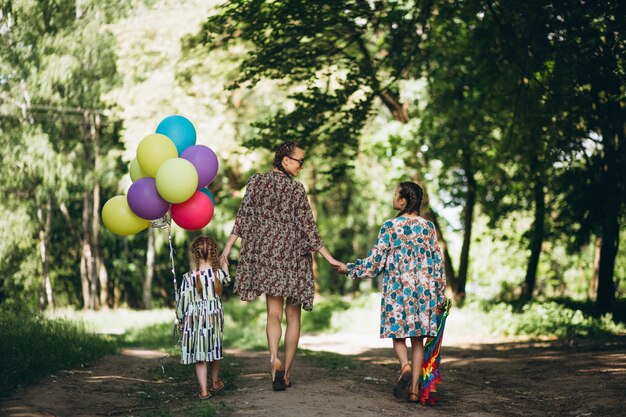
x=177 y=180
x=152 y=151
x=119 y=218
x=135 y=171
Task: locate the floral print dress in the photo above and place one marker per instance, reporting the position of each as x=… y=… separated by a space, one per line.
x=278 y=235
x=408 y=254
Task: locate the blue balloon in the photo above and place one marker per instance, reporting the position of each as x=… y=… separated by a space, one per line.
x=209 y=193
x=180 y=131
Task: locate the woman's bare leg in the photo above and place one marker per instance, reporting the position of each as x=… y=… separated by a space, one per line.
x=273 y=328
x=292 y=335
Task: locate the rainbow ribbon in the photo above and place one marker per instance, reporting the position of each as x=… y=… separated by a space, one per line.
x=429 y=377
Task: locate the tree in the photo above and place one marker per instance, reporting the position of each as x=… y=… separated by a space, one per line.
x=59 y=63
x=341 y=61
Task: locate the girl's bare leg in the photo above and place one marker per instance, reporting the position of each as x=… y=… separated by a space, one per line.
x=201 y=374
x=417 y=356
x=292 y=335
x=214 y=368
x=399 y=347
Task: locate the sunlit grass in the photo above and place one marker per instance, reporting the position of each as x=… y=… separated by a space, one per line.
x=116 y=321
x=33 y=346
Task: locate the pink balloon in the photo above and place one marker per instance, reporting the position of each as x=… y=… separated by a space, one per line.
x=205 y=161
x=195 y=213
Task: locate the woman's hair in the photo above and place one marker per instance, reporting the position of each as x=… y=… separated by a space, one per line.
x=412 y=193
x=203 y=248
x=286 y=149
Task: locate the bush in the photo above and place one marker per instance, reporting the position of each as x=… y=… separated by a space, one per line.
x=549 y=318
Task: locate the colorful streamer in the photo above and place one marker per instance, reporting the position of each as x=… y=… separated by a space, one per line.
x=429 y=377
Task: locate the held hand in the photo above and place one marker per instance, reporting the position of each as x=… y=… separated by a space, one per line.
x=339 y=266
x=224 y=260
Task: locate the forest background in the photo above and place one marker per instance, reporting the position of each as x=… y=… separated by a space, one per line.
x=510 y=114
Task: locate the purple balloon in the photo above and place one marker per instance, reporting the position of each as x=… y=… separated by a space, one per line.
x=144 y=199
x=205 y=162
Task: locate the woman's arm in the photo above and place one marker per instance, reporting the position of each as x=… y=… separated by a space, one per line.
x=226 y=252
x=338 y=266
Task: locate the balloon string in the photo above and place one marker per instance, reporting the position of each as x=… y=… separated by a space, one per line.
x=169 y=237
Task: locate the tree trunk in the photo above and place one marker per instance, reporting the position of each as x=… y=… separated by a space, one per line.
x=537 y=235
x=45 y=227
x=608 y=250
x=147 y=282
x=85 y=259
x=100 y=271
x=593 y=285
x=468 y=219
x=612 y=140
x=429 y=214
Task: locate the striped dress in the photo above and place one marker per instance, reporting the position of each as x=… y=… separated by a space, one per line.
x=202 y=316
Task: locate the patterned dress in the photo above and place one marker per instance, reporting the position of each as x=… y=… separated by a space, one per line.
x=202 y=317
x=278 y=235
x=414 y=280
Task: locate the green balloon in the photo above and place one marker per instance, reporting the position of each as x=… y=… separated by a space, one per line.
x=153 y=151
x=177 y=180
x=135 y=171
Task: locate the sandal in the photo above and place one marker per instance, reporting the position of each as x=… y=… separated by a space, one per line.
x=413 y=397
x=400 y=390
x=220 y=386
x=278 y=384
x=204 y=397
x=278 y=376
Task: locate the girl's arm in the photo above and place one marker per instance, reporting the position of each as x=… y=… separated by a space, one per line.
x=183 y=301
x=223 y=276
x=376 y=258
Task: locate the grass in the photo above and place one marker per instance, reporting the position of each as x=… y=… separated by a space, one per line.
x=33 y=346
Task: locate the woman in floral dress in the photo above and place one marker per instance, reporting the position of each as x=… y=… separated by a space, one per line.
x=408 y=255
x=278 y=236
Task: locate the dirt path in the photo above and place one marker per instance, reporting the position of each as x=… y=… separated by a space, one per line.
x=479 y=380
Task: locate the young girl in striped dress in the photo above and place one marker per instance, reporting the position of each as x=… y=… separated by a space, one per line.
x=201 y=315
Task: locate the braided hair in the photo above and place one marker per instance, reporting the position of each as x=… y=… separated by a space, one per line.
x=412 y=193
x=203 y=248
x=286 y=149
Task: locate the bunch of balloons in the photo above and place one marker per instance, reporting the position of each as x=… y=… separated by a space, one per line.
x=170 y=173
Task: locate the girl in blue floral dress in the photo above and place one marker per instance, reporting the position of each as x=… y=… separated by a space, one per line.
x=408 y=255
